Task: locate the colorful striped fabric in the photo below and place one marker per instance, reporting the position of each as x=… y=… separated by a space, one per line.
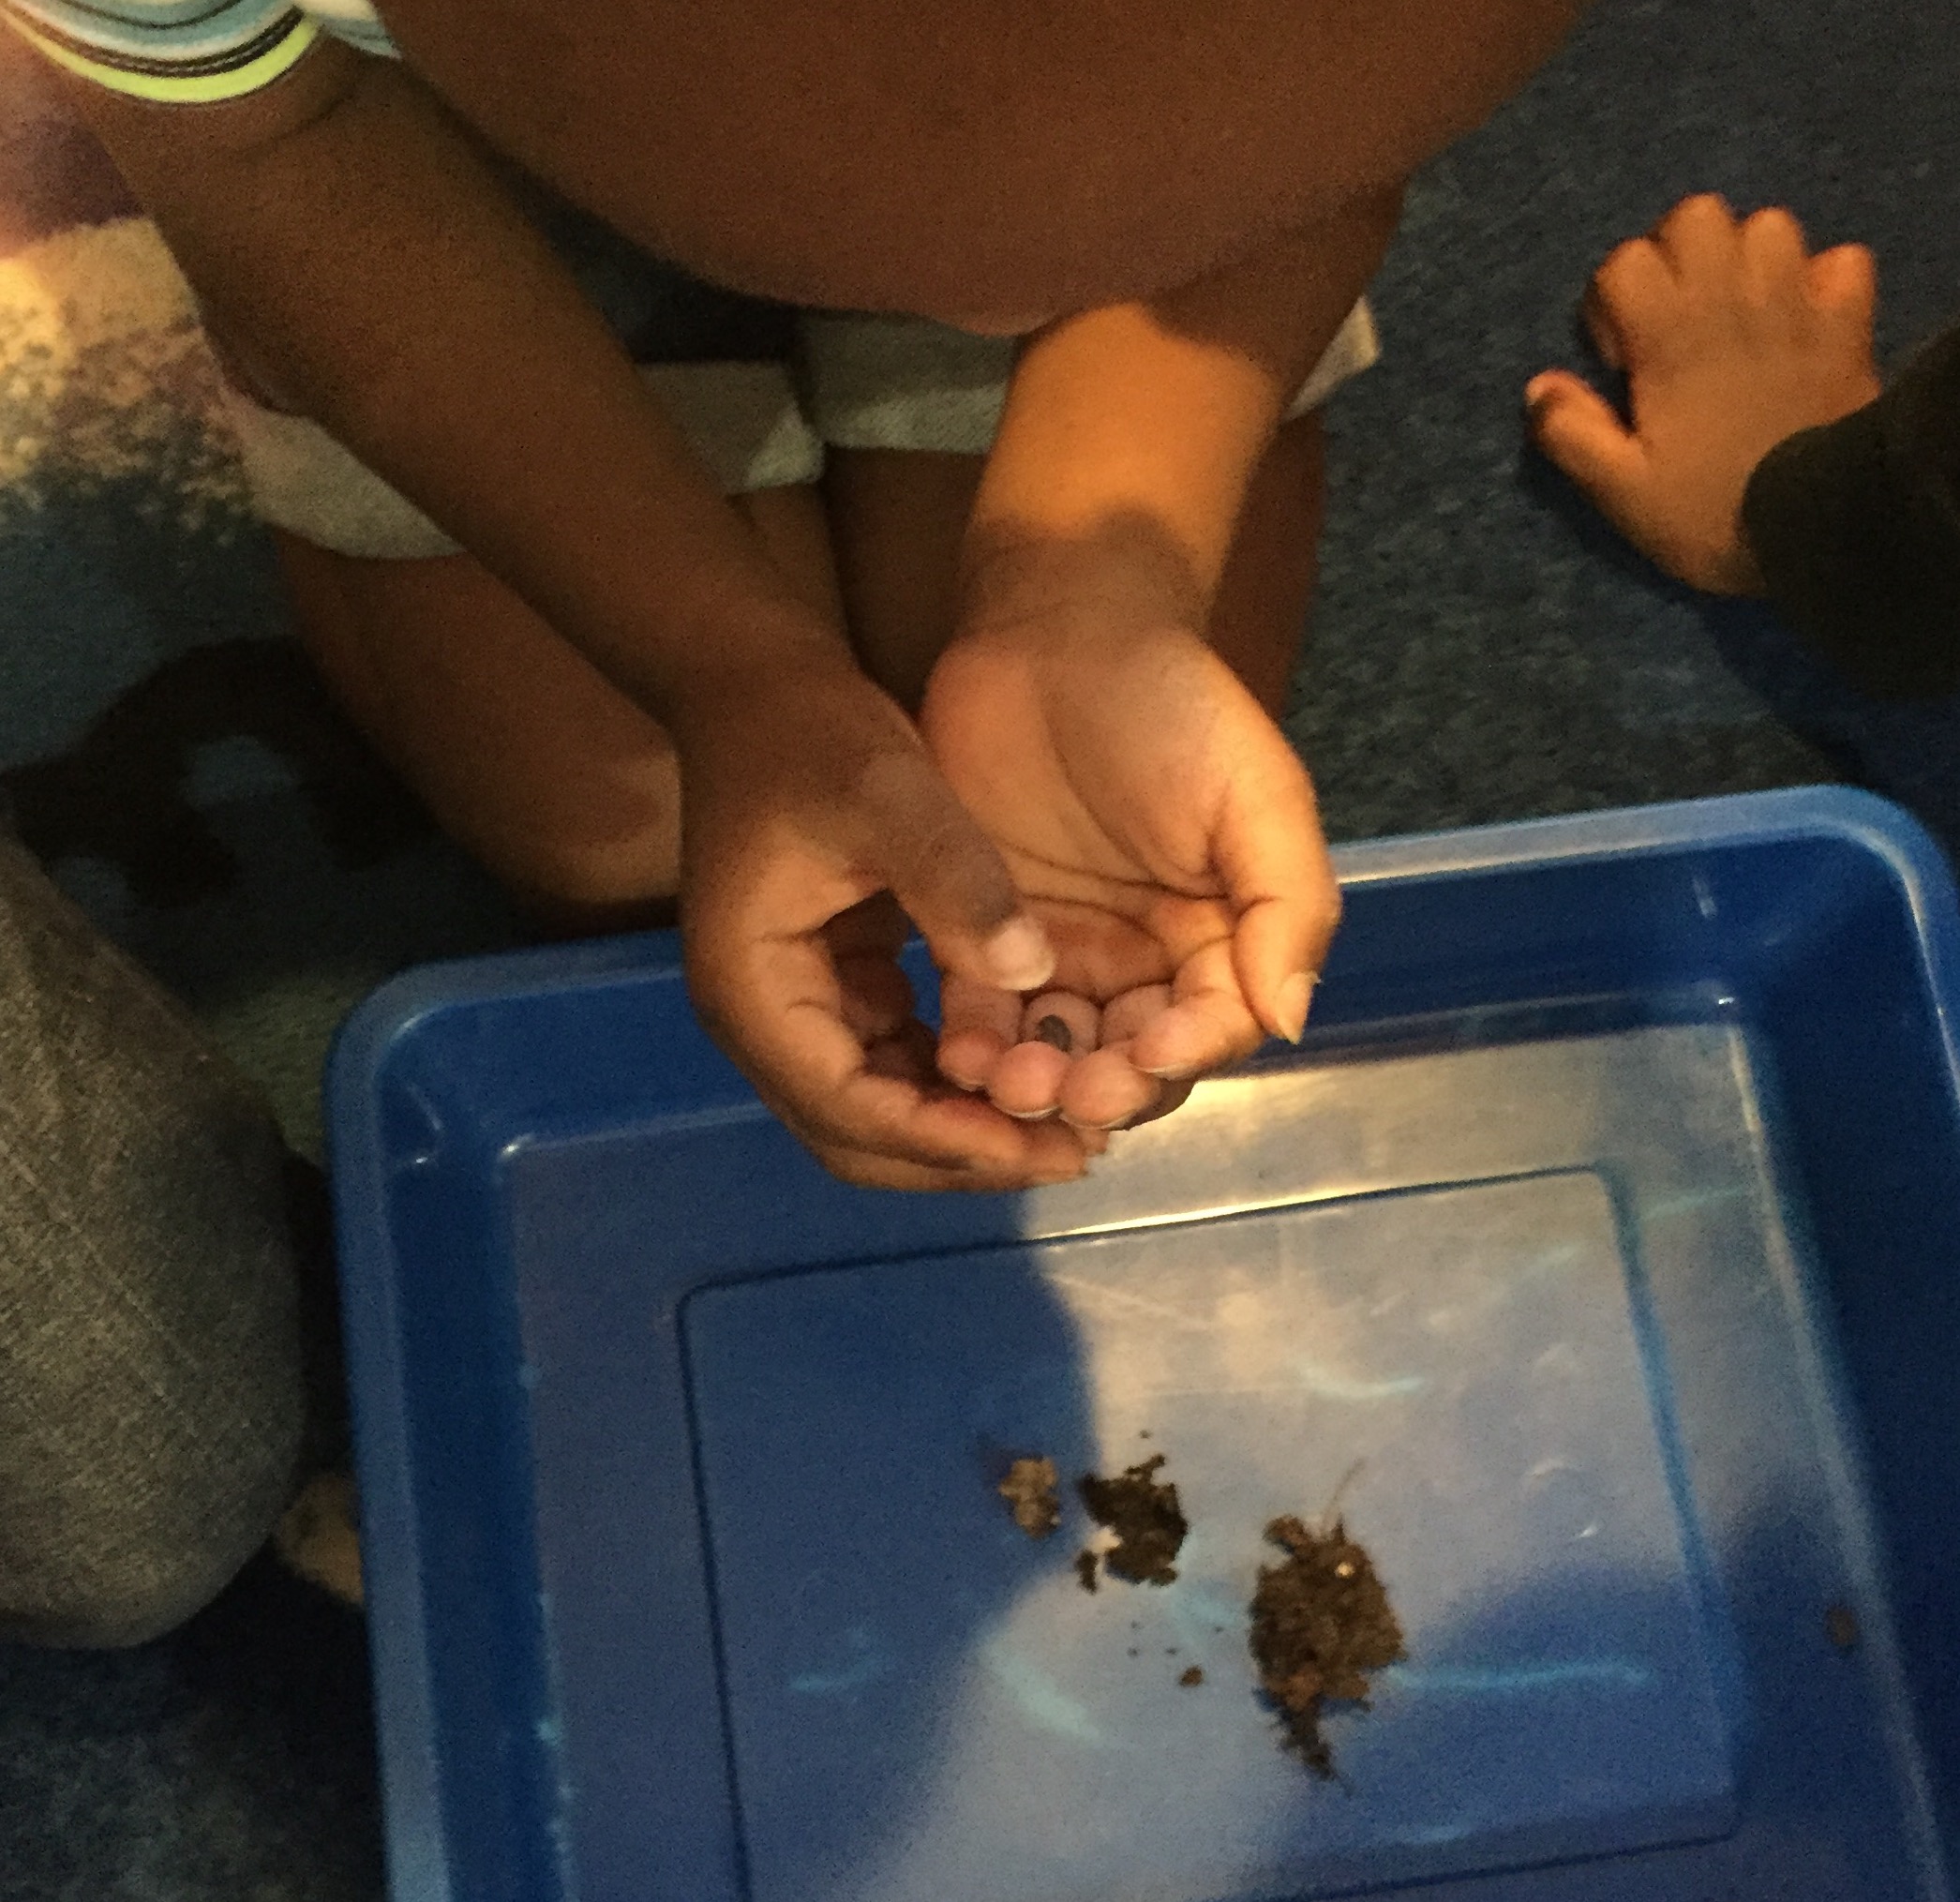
x=189 y=52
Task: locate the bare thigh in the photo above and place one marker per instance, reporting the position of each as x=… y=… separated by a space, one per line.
x=897 y=518
x=570 y=794
x=526 y=754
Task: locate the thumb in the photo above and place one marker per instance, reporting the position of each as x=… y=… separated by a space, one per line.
x=952 y=882
x=1272 y=857
x=1582 y=434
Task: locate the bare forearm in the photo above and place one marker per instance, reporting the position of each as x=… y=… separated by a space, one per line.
x=368 y=262
x=1143 y=422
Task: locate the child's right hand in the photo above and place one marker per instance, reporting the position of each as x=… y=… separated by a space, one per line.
x=1733 y=335
x=809 y=804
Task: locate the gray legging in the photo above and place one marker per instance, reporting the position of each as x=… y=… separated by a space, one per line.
x=150 y=1391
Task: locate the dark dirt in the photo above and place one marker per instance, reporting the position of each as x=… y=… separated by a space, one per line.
x=1085 y=1569
x=1146 y=1519
x=1033 y=1490
x=1321 y=1623
x=1841 y=1626
x=1056 y=1031
x=1192 y=1678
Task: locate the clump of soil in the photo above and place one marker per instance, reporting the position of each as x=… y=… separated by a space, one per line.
x=1085 y=1569
x=1056 y=1031
x=1146 y=1519
x=1841 y=1626
x=1320 y=1624
x=1033 y=1490
x=1190 y=1679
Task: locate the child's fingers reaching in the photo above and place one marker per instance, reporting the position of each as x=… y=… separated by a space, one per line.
x=1698 y=237
x=1583 y=435
x=1844 y=284
x=1630 y=292
x=1774 y=255
x=1596 y=316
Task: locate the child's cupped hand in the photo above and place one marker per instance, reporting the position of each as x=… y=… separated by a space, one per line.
x=814 y=822
x=1733 y=335
x=1164 y=832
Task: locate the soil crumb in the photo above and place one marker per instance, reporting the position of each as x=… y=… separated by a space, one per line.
x=1056 y=1031
x=1146 y=1519
x=1192 y=1678
x=1033 y=1490
x=1085 y=1569
x=1320 y=1624
x=1841 y=1626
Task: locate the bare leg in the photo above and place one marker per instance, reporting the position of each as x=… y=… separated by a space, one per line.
x=897 y=518
x=527 y=755
x=1259 y=618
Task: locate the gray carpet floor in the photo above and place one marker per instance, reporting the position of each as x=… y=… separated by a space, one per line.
x=1483 y=650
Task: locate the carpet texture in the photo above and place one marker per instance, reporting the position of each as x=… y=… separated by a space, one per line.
x=1483 y=650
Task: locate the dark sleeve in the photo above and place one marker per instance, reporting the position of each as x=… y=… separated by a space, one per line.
x=1856 y=528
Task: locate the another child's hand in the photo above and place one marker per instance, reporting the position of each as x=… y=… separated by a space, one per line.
x=808 y=805
x=1159 y=826
x=1732 y=336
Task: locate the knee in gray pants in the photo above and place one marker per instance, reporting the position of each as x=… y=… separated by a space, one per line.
x=150 y=1392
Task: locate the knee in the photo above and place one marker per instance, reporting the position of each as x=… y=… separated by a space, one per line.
x=575 y=877
x=119 y=1567
x=127 y=1504
x=623 y=872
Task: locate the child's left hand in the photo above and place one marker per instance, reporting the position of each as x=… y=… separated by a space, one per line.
x=1159 y=826
x=1733 y=335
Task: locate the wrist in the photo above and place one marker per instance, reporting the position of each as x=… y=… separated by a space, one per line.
x=1734 y=570
x=716 y=674
x=1126 y=574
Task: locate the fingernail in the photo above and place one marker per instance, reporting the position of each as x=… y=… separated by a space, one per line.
x=1295 y=994
x=1108 y=1129
x=1173 y=1073
x=1033 y=1115
x=1019 y=956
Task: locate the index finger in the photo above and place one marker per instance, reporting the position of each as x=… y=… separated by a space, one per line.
x=780 y=1012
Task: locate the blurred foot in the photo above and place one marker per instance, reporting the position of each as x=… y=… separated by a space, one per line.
x=319 y=1537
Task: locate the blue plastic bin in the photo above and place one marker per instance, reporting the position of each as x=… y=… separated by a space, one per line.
x=1600 y=1248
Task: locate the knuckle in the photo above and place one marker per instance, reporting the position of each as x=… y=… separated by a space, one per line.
x=1623 y=267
